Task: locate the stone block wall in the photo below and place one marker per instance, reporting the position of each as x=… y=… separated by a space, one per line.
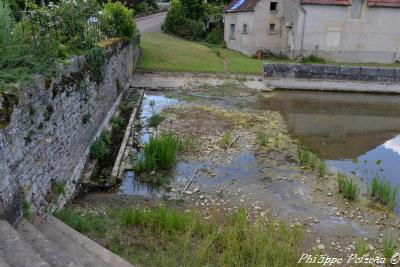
x=332 y=72
x=45 y=142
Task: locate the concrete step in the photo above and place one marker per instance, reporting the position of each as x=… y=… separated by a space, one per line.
x=77 y=251
x=16 y=252
x=104 y=254
x=3 y=263
x=47 y=249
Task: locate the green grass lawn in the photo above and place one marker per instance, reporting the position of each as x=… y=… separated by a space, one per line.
x=168 y=53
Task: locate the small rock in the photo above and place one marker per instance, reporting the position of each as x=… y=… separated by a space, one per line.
x=188 y=192
x=321 y=247
x=195 y=190
x=329 y=194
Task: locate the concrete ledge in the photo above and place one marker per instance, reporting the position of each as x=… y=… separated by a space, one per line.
x=333 y=85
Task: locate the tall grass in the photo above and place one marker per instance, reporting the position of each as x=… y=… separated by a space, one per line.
x=262 y=138
x=226 y=140
x=389 y=247
x=173 y=238
x=347 y=187
x=89 y=223
x=159 y=153
x=382 y=192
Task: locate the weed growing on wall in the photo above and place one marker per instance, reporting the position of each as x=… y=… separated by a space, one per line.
x=100 y=147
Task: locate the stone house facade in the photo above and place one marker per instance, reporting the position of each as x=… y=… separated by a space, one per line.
x=337 y=30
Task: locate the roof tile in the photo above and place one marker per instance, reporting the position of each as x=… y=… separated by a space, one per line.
x=326 y=2
x=384 y=3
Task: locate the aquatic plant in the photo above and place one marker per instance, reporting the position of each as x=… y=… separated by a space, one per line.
x=159 y=153
x=347 y=187
x=262 y=138
x=382 y=192
x=389 y=247
x=306 y=158
x=155 y=120
x=226 y=140
x=322 y=168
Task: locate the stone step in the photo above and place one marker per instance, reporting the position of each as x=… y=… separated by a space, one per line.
x=16 y=252
x=47 y=249
x=77 y=251
x=3 y=263
x=104 y=254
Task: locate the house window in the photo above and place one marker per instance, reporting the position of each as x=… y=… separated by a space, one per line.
x=272 y=27
x=244 y=31
x=273 y=6
x=232 y=31
x=356 y=9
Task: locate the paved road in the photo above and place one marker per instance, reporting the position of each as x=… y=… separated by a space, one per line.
x=151 y=23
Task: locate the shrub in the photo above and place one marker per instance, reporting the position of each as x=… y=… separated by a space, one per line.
x=159 y=153
x=347 y=187
x=117 y=20
x=215 y=36
x=100 y=147
x=155 y=120
x=382 y=192
x=177 y=23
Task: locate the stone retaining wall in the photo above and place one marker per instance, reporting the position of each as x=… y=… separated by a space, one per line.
x=45 y=144
x=332 y=72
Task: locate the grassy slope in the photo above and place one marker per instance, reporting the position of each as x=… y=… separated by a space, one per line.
x=168 y=53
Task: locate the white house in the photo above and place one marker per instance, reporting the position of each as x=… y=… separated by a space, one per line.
x=338 y=30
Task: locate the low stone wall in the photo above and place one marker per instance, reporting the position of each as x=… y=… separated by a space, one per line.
x=46 y=137
x=332 y=72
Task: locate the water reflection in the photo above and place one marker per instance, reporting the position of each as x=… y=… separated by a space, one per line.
x=340 y=127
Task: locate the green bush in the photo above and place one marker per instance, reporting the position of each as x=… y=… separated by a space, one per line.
x=177 y=23
x=215 y=36
x=347 y=187
x=100 y=147
x=117 y=20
